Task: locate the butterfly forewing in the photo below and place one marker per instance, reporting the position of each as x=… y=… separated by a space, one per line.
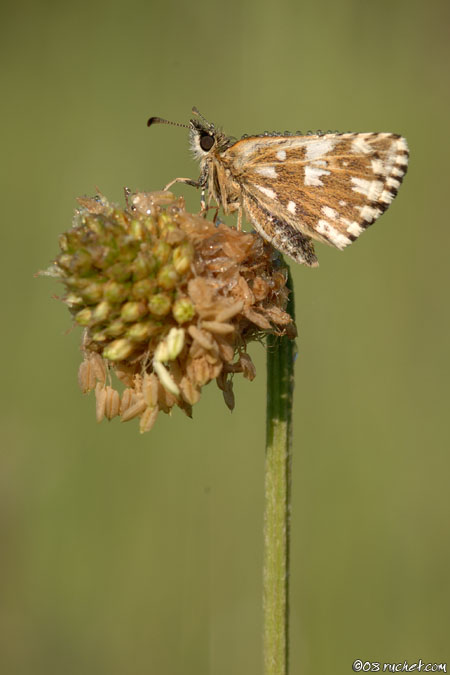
x=329 y=187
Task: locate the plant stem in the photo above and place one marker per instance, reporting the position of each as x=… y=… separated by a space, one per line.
x=280 y=384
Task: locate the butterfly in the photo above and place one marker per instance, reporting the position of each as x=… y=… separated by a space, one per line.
x=294 y=188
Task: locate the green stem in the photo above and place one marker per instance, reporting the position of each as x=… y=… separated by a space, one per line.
x=280 y=385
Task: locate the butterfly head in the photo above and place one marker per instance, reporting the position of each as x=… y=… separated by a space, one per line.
x=204 y=137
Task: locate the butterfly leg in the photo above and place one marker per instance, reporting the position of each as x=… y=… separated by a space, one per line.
x=216 y=213
x=203 y=200
x=239 y=220
x=127 y=193
x=187 y=181
x=231 y=208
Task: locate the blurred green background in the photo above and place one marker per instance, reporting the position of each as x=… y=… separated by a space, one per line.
x=133 y=554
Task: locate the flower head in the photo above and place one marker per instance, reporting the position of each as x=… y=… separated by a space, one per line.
x=168 y=301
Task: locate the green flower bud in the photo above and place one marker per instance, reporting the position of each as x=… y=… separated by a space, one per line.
x=99 y=336
x=75 y=283
x=63 y=242
x=115 y=328
x=142 y=289
x=139 y=332
x=159 y=304
x=183 y=310
x=95 y=225
x=118 y=350
x=144 y=266
x=115 y=292
x=120 y=217
x=81 y=263
x=73 y=300
x=150 y=225
x=84 y=316
x=101 y=312
x=167 y=277
x=164 y=220
x=137 y=229
x=183 y=255
x=93 y=293
x=132 y=311
x=162 y=251
x=64 y=261
x=120 y=271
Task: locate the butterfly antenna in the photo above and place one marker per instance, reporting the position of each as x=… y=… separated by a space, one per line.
x=196 y=111
x=159 y=120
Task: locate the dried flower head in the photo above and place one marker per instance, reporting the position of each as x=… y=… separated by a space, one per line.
x=168 y=301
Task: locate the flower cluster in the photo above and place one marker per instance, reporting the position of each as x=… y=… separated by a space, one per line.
x=168 y=301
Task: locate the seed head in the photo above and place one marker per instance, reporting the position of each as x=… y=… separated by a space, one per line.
x=168 y=301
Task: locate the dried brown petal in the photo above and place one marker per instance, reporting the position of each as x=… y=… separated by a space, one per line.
x=242 y=291
x=226 y=349
x=218 y=327
x=86 y=376
x=228 y=395
x=260 y=288
x=215 y=369
x=100 y=401
x=166 y=400
x=258 y=319
x=112 y=403
x=150 y=389
x=189 y=391
x=128 y=398
x=198 y=371
x=200 y=292
x=203 y=338
x=125 y=374
x=99 y=366
x=248 y=367
x=148 y=419
x=134 y=410
x=230 y=311
x=277 y=315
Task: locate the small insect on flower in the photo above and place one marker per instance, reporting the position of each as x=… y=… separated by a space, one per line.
x=298 y=188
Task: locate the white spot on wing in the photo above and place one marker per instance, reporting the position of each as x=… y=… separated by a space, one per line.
x=368 y=213
x=267 y=191
x=371 y=189
x=291 y=207
x=355 y=229
x=332 y=234
x=393 y=182
x=378 y=167
x=281 y=155
x=268 y=171
x=386 y=197
x=329 y=212
x=360 y=146
x=313 y=174
x=319 y=147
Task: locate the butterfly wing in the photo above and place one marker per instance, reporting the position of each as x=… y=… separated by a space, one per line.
x=329 y=187
x=278 y=231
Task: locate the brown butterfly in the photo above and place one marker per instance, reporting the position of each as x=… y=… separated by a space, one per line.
x=295 y=188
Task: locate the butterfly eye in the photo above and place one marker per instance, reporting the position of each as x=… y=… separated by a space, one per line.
x=206 y=142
